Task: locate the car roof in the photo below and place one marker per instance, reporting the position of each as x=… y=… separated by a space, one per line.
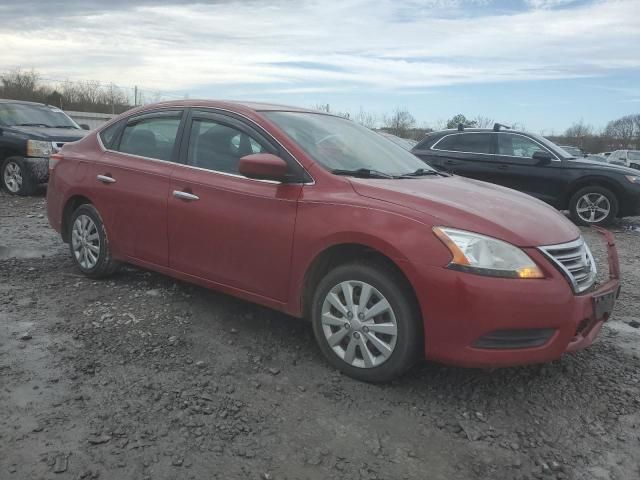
x=21 y=102
x=238 y=106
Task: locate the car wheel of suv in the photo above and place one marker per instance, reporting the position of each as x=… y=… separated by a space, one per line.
x=366 y=322
x=15 y=178
x=593 y=206
x=89 y=243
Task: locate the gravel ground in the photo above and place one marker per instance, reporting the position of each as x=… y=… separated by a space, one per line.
x=141 y=376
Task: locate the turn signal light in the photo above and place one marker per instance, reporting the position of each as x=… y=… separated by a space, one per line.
x=53 y=161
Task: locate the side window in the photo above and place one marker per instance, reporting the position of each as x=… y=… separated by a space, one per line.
x=219 y=147
x=517 y=145
x=466 y=143
x=150 y=137
x=109 y=134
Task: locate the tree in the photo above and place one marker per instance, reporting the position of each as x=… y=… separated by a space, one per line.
x=482 y=122
x=366 y=119
x=453 y=122
x=622 y=131
x=579 y=134
x=399 y=123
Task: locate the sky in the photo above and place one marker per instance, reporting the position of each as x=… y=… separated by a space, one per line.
x=541 y=63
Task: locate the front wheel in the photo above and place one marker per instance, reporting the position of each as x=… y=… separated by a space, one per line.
x=366 y=322
x=593 y=205
x=15 y=178
x=89 y=243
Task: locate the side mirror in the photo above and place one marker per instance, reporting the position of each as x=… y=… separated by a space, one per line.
x=263 y=166
x=84 y=126
x=543 y=158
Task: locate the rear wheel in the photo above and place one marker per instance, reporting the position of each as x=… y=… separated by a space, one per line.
x=89 y=243
x=15 y=178
x=593 y=205
x=366 y=322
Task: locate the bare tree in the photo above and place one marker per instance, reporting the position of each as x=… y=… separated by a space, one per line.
x=622 y=131
x=483 y=122
x=579 y=134
x=366 y=119
x=399 y=123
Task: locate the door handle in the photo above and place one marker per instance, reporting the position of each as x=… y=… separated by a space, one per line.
x=106 y=179
x=503 y=167
x=450 y=162
x=185 y=195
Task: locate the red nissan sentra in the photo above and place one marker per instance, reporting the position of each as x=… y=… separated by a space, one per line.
x=318 y=217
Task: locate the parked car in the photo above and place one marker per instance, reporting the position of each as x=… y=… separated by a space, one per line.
x=630 y=158
x=29 y=133
x=596 y=158
x=316 y=216
x=405 y=143
x=595 y=193
x=574 y=151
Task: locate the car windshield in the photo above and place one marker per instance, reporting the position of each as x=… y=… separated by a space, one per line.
x=342 y=145
x=20 y=114
x=403 y=142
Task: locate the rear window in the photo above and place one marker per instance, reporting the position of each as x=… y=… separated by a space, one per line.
x=466 y=142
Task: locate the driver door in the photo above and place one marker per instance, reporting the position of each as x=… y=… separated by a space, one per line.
x=224 y=227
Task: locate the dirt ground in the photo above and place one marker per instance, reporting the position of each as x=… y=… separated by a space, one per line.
x=144 y=377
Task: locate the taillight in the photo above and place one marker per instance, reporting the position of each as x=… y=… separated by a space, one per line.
x=53 y=161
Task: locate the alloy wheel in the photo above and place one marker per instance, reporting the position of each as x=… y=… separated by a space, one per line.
x=359 y=324
x=12 y=177
x=85 y=241
x=593 y=207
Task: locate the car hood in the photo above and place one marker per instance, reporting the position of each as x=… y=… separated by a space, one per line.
x=51 y=134
x=593 y=165
x=475 y=206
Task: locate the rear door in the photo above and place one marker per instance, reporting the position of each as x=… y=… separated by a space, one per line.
x=463 y=153
x=132 y=184
x=224 y=227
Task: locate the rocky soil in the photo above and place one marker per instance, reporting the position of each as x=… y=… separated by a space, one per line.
x=144 y=377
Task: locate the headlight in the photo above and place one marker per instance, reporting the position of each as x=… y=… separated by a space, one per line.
x=36 y=148
x=633 y=178
x=483 y=255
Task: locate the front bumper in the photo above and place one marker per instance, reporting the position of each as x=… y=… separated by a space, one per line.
x=37 y=168
x=459 y=310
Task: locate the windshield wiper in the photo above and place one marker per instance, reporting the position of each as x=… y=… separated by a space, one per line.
x=32 y=125
x=422 y=172
x=362 y=172
x=64 y=126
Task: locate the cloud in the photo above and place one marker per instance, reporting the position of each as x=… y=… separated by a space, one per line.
x=307 y=45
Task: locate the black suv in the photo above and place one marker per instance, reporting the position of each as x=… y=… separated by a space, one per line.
x=594 y=192
x=29 y=133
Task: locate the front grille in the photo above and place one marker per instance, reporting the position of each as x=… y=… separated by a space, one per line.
x=575 y=261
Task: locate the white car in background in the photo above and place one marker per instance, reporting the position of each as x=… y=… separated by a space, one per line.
x=630 y=158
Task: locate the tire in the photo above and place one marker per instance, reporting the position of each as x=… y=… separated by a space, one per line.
x=593 y=199
x=93 y=257
x=15 y=178
x=407 y=348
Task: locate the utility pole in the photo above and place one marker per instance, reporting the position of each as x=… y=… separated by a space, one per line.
x=135 y=96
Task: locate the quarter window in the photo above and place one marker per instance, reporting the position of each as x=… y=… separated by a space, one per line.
x=517 y=145
x=466 y=143
x=219 y=147
x=109 y=134
x=152 y=137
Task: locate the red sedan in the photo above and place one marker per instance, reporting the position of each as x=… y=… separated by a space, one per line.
x=318 y=217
